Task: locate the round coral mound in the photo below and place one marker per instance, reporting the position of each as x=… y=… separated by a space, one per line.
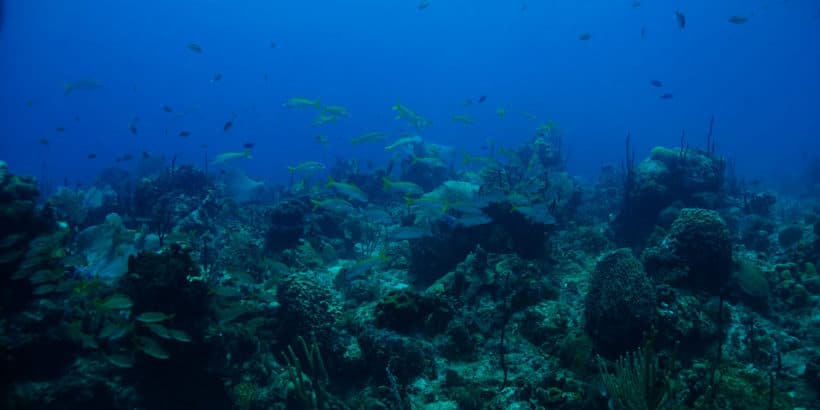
x=701 y=240
x=620 y=304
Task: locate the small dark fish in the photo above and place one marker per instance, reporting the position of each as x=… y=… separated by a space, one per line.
x=656 y=83
x=77 y=118
x=184 y=134
x=273 y=44
x=468 y=102
x=166 y=131
x=92 y=156
x=248 y=145
x=738 y=19
x=217 y=77
x=482 y=99
x=29 y=102
x=423 y=4
x=584 y=36
x=265 y=76
x=228 y=125
x=126 y=157
x=643 y=31
x=681 y=19
x=145 y=154
x=167 y=108
x=667 y=96
x=636 y=3
x=523 y=6
x=203 y=146
x=60 y=129
x=132 y=128
x=44 y=141
x=196 y=48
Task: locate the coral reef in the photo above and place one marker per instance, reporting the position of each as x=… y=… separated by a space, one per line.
x=689 y=177
x=697 y=252
x=620 y=304
x=495 y=282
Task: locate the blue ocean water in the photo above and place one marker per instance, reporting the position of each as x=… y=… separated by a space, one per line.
x=759 y=79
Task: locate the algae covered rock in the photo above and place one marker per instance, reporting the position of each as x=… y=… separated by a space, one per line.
x=696 y=253
x=287 y=224
x=400 y=310
x=406 y=357
x=405 y=310
x=620 y=304
x=669 y=175
x=167 y=282
x=789 y=236
x=702 y=240
x=307 y=306
x=18 y=197
x=20 y=223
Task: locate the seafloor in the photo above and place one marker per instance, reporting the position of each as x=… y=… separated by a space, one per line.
x=497 y=282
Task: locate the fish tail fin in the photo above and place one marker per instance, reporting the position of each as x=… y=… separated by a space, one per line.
x=386 y=184
x=330 y=181
x=67 y=88
x=466 y=159
x=315 y=204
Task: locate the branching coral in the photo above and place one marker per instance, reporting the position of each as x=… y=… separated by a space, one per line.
x=311 y=393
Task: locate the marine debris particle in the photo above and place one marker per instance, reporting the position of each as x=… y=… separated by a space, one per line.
x=680 y=18
x=196 y=48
